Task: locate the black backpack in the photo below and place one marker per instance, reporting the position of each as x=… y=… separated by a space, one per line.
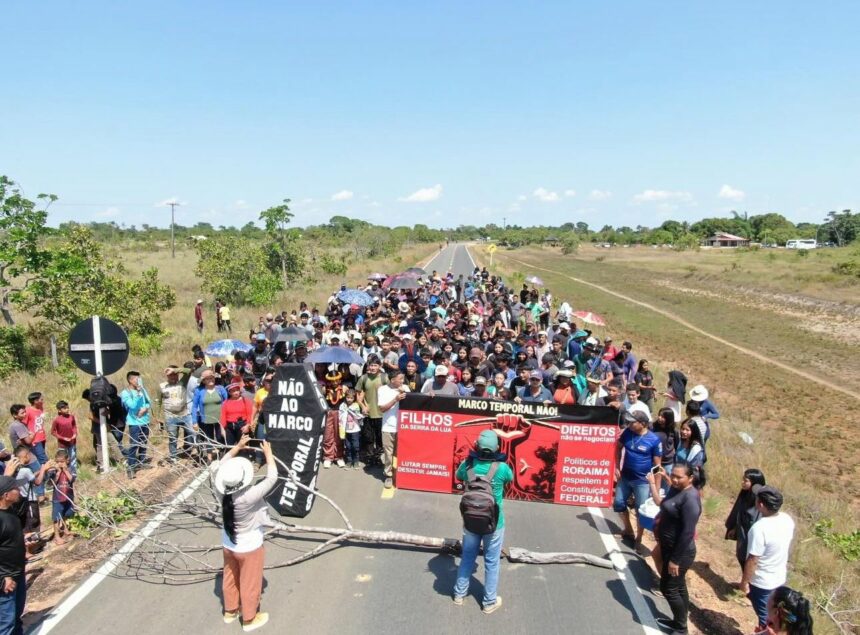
x=478 y=504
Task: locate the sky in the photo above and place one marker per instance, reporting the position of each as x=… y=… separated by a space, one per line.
x=446 y=113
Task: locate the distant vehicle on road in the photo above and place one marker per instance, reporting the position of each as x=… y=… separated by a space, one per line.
x=801 y=243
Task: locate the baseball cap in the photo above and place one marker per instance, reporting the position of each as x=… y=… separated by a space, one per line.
x=441 y=370
x=565 y=326
x=488 y=441
x=7 y=484
x=636 y=415
x=769 y=496
x=481 y=381
x=261 y=337
x=536 y=374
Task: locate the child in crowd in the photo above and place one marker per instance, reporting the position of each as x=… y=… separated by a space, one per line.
x=62 y=478
x=30 y=475
x=350 y=419
x=65 y=429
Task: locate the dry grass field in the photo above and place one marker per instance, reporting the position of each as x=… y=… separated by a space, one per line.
x=179 y=321
x=783 y=306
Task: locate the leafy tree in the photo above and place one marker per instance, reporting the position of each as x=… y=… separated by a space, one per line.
x=237 y=270
x=569 y=243
x=77 y=281
x=283 y=247
x=842 y=227
x=22 y=229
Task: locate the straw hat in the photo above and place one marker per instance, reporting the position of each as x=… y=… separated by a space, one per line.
x=234 y=475
x=698 y=393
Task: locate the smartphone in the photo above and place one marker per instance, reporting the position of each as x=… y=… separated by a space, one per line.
x=656 y=469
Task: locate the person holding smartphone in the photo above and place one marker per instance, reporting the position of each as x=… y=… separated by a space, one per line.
x=675 y=531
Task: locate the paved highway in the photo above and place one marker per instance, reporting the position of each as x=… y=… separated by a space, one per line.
x=375 y=589
x=454 y=258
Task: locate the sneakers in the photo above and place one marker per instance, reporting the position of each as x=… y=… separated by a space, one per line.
x=230 y=616
x=671 y=626
x=326 y=464
x=340 y=463
x=489 y=608
x=388 y=483
x=458 y=600
x=356 y=466
x=260 y=620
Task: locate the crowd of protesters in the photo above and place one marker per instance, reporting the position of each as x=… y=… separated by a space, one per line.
x=438 y=335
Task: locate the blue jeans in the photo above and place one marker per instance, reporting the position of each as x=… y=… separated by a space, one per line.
x=759 y=598
x=174 y=424
x=38 y=450
x=641 y=493
x=492 y=552
x=352 y=446
x=12 y=607
x=136 y=454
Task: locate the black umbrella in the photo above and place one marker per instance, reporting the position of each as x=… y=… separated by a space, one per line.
x=417 y=270
x=404 y=282
x=292 y=334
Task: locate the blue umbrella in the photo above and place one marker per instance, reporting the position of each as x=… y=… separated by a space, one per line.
x=334 y=355
x=225 y=348
x=354 y=296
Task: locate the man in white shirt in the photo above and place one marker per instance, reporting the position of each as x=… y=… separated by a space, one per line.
x=632 y=404
x=770 y=538
x=389 y=397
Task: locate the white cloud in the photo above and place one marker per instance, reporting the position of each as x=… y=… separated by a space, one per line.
x=569 y=193
x=424 y=195
x=343 y=195
x=108 y=213
x=241 y=204
x=727 y=191
x=173 y=199
x=522 y=197
x=545 y=196
x=662 y=196
x=599 y=195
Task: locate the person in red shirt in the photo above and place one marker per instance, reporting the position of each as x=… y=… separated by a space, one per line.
x=35 y=421
x=65 y=429
x=237 y=414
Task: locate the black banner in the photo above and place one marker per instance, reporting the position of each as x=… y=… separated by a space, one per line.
x=294 y=416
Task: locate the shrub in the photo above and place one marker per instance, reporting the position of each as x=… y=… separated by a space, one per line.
x=333 y=266
x=16 y=353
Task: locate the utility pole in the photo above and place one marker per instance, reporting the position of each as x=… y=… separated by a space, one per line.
x=504 y=223
x=172 y=229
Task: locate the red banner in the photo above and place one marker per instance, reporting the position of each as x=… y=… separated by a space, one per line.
x=560 y=454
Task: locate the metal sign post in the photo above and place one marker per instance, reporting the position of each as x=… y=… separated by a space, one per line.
x=99 y=358
x=97 y=346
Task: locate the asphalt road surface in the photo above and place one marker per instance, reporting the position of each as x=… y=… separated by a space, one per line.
x=454 y=258
x=360 y=588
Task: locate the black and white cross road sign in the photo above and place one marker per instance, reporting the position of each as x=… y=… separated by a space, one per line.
x=98 y=346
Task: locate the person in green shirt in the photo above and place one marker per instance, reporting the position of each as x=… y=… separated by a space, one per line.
x=366 y=390
x=481 y=460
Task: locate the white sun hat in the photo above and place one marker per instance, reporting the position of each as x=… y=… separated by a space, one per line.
x=234 y=475
x=698 y=393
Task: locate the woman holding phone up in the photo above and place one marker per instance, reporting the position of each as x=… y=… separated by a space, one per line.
x=675 y=530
